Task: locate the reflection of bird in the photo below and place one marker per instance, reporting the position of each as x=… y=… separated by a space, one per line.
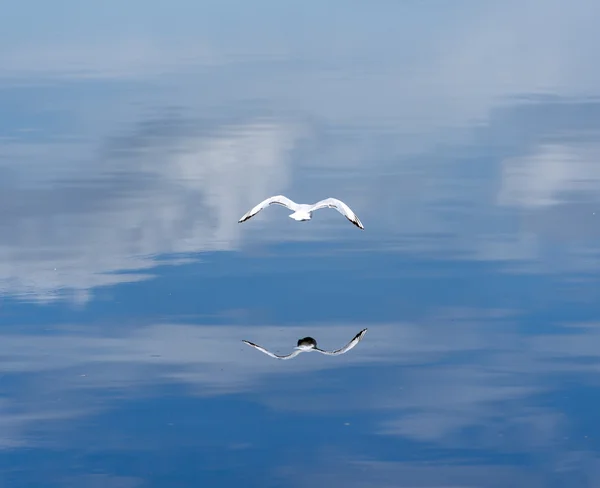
x=304 y=211
x=309 y=344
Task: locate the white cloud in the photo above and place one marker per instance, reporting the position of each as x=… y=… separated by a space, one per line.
x=356 y=472
x=551 y=175
x=422 y=102
x=434 y=380
x=181 y=197
x=207 y=360
x=124 y=59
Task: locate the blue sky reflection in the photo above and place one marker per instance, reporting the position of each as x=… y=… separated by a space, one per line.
x=464 y=135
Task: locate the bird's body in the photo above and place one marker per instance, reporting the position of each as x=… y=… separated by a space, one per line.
x=308 y=344
x=301 y=215
x=302 y=211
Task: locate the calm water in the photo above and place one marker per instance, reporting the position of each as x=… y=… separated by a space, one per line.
x=134 y=135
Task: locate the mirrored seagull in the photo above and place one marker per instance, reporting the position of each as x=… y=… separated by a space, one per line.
x=308 y=344
x=303 y=211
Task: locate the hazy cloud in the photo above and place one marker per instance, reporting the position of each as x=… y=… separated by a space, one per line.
x=434 y=380
x=179 y=196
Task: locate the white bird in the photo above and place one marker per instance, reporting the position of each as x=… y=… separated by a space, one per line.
x=309 y=344
x=303 y=211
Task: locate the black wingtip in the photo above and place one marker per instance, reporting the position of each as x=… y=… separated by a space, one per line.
x=361 y=333
x=357 y=222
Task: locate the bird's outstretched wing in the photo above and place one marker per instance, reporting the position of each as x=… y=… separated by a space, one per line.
x=357 y=338
x=341 y=207
x=268 y=353
x=278 y=199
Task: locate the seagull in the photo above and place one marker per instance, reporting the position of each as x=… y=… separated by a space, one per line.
x=303 y=211
x=309 y=344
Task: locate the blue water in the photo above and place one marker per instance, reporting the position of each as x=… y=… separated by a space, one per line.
x=134 y=135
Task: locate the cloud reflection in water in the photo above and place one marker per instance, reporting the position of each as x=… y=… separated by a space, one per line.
x=477 y=126
x=428 y=381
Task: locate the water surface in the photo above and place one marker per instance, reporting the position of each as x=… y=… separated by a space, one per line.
x=134 y=136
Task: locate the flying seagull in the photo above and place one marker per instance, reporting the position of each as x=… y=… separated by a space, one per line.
x=303 y=211
x=309 y=344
